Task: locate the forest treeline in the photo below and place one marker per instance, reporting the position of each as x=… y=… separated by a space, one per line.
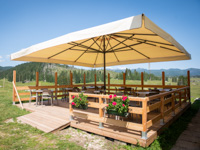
x=27 y=72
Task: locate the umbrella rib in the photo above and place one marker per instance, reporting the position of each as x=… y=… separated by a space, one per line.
x=84 y=46
x=133 y=49
x=144 y=40
x=66 y=49
x=163 y=47
x=121 y=41
x=84 y=52
x=126 y=46
x=96 y=59
x=113 y=50
x=107 y=43
x=97 y=43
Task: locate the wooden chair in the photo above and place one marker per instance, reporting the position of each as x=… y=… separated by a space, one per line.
x=47 y=94
x=32 y=96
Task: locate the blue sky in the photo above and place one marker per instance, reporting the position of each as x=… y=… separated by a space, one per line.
x=27 y=22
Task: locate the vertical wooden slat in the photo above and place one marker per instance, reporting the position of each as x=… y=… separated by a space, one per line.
x=162 y=108
x=180 y=102
x=108 y=83
x=100 y=109
x=188 y=81
x=142 y=80
x=95 y=79
x=144 y=115
x=37 y=79
x=84 y=78
x=14 y=81
x=173 y=103
x=163 y=79
x=124 y=79
x=56 y=84
x=185 y=95
x=70 y=105
x=71 y=78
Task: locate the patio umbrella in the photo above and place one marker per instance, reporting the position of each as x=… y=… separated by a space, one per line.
x=128 y=41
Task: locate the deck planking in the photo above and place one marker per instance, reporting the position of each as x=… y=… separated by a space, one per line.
x=52 y=118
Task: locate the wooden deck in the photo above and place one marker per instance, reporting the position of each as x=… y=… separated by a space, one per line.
x=52 y=118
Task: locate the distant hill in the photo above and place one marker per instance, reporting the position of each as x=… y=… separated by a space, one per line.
x=4 y=68
x=168 y=72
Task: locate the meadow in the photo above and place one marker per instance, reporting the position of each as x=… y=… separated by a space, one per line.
x=14 y=135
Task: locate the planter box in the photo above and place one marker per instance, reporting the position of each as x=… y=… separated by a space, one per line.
x=114 y=112
x=81 y=107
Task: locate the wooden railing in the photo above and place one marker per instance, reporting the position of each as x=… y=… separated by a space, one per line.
x=165 y=103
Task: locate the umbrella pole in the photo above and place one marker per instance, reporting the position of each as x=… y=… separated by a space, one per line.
x=104 y=59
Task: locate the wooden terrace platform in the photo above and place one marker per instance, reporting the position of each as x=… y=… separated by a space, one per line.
x=53 y=118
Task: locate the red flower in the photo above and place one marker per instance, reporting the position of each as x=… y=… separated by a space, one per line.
x=124 y=98
x=73 y=97
x=123 y=105
x=115 y=96
x=110 y=96
x=80 y=99
x=114 y=103
x=73 y=103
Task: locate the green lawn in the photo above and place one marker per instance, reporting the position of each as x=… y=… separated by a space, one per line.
x=14 y=135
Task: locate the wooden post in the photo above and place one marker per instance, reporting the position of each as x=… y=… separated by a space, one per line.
x=163 y=79
x=56 y=82
x=188 y=81
x=108 y=83
x=95 y=79
x=37 y=79
x=124 y=79
x=14 y=82
x=173 y=104
x=144 y=119
x=180 y=102
x=70 y=107
x=84 y=78
x=142 y=80
x=71 y=78
x=162 y=111
x=100 y=112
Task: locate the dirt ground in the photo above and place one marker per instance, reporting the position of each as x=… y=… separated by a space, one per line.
x=92 y=141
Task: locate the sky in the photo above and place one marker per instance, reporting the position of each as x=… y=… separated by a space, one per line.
x=27 y=22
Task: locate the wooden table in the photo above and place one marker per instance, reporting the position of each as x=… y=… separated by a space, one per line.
x=37 y=95
x=143 y=94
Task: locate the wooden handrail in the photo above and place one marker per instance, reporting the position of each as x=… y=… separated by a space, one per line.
x=18 y=95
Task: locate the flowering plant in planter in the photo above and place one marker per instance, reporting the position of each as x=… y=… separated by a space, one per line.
x=80 y=101
x=118 y=105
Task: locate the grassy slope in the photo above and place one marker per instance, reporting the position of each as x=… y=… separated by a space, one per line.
x=19 y=136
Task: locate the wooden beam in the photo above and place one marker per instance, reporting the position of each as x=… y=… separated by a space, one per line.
x=188 y=81
x=37 y=79
x=71 y=78
x=14 y=81
x=144 y=116
x=142 y=80
x=100 y=109
x=56 y=83
x=162 y=108
x=163 y=78
x=124 y=79
x=84 y=78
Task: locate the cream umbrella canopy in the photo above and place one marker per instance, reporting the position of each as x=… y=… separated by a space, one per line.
x=128 y=41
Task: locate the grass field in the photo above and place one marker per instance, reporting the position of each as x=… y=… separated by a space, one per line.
x=14 y=135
